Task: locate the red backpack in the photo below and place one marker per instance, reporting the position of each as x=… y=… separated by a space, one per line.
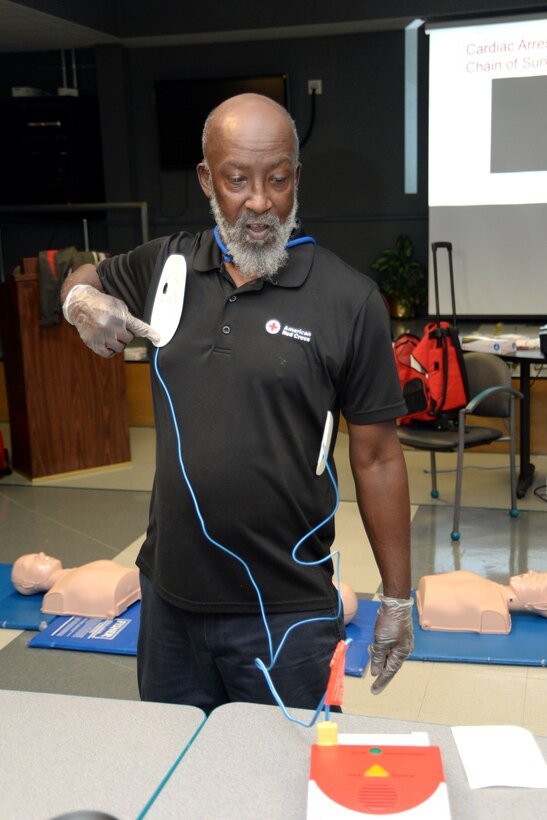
x=431 y=369
x=432 y=375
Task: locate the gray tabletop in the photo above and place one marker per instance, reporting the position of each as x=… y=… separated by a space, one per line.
x=62 y=753
x=248 y=761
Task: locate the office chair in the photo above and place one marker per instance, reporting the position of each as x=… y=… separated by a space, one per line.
x=492 y=395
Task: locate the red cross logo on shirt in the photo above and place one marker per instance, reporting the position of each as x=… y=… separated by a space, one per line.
x=273 y=326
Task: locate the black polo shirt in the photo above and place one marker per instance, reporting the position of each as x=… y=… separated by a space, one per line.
x=250 y=375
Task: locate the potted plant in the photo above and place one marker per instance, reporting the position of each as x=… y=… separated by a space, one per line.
x=402 y=278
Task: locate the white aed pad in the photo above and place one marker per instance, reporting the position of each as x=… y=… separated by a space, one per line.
x=167 y=308
x=325 y=444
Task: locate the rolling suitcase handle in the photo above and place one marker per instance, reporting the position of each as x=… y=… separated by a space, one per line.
x=435 y=246
x=450 y=331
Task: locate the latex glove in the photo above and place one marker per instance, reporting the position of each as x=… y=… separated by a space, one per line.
x=103 y=322
x=393 y=640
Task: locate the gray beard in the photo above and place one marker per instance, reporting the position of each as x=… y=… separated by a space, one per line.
x=256 y=258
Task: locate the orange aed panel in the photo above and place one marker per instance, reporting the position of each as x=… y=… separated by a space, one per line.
x=377 y=780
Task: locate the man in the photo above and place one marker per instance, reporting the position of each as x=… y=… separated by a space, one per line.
x=275 y=332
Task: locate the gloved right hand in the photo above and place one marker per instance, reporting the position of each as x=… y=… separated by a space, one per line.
x=103 y=322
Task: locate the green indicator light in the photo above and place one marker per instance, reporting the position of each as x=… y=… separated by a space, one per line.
x=375 y=751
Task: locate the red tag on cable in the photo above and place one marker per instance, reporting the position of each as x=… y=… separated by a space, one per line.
x=335 y=687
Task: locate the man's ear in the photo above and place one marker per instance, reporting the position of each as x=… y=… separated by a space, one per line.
x=204 y=177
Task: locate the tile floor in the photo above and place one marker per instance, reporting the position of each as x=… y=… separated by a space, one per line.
x=103 y=514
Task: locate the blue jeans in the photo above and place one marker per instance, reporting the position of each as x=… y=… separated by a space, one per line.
x=207 y=659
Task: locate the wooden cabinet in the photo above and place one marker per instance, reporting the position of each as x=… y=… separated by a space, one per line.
x=67 y=406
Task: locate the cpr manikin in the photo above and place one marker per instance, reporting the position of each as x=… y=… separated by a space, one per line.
x=349 y=601
x=463 y=601
x=100 y=589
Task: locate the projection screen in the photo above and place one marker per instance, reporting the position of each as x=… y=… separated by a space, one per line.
x=488 y=166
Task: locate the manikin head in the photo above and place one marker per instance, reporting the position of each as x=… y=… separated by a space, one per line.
x=529 y=591
x=250 y=175
x=349 y=600
x=35 y=572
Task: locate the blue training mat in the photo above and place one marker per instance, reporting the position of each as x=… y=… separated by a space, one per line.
x=117 y=636
x=361 y=632
x=525 y=645
x=19 y=611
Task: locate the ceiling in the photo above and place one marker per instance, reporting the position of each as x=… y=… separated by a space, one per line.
x=23 y=28
x=26 y=29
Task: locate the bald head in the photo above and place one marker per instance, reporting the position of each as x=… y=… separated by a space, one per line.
x=249 y=117
x=250 y=174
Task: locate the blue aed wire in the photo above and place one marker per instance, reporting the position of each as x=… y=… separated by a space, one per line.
x=195 y=501
x=273 y=656
x=335 y=555
x=300 y=240
x=225 y=252
x=233 y=554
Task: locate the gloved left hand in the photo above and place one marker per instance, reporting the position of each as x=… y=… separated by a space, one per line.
x=393 y=640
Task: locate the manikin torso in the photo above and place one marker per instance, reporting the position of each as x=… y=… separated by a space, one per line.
x=99 y=589
x=462 y=601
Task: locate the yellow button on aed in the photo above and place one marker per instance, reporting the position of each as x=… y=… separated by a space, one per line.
x=376 y=771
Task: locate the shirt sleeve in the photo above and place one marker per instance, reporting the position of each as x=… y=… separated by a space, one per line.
x=372 y=391
x=128 y=275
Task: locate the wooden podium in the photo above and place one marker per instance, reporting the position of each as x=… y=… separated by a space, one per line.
x=67 y=406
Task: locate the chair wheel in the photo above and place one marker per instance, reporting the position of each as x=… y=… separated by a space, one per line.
x=434 y=493
x=514 y=513
x=455 y=536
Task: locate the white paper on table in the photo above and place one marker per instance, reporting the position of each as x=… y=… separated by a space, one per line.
x=377 y=739
x=500 y=756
